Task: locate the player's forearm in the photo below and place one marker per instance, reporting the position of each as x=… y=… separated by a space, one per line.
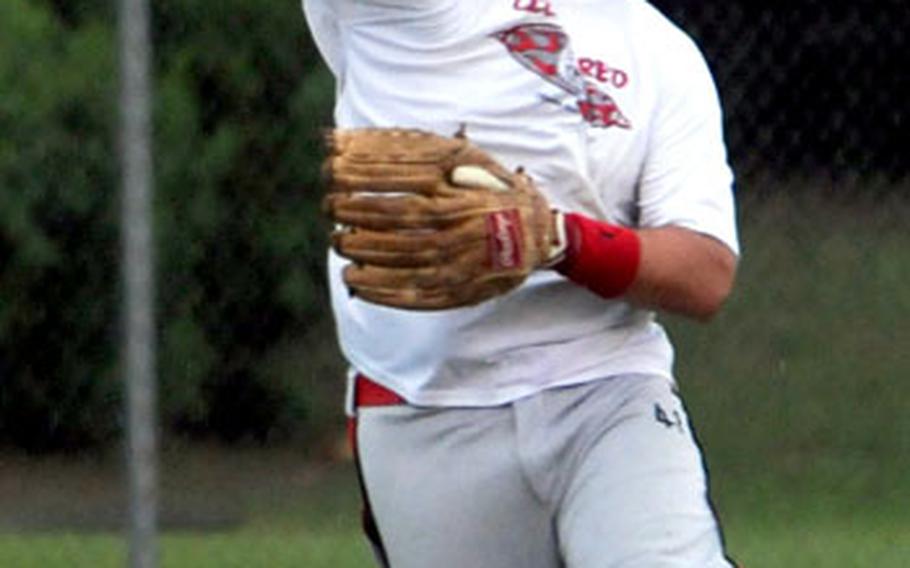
x=670 y=269
x=683 y=272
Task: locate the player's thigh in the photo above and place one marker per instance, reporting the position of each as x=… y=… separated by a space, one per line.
x=639 y=497
x=447 y=492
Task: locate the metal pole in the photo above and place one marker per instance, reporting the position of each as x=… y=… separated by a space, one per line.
x=138 y=280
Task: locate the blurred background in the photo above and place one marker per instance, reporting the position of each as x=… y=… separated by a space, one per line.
x=799 y=389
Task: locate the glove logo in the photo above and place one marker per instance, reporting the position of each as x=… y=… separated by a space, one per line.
x=545 y=49
x=504 y=240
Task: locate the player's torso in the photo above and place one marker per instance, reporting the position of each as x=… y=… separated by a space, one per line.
x=552 y=87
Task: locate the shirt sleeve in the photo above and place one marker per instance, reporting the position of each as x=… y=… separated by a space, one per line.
x=686 y=180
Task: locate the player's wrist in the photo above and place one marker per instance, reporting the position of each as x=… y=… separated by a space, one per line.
x=600 y=256
x=559 y=242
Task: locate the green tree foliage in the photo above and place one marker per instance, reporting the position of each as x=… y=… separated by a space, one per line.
x=241 y=99
x=240 y=96
x=57 y=235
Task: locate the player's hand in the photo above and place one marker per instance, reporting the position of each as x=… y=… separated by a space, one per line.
x=431 y=222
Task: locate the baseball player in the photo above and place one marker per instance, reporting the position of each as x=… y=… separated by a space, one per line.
x=518 y=187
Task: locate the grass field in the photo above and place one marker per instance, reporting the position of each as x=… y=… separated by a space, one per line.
x=768 y=524
x=798 y=390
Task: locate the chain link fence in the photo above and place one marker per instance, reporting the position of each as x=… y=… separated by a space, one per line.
x=811 y=88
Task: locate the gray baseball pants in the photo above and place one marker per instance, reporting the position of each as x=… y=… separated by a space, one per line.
x=606 y=474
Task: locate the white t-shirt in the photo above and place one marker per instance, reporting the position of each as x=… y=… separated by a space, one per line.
x=605 y=103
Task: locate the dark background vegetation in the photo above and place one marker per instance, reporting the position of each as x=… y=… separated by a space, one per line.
x=813 y=90
x=240 y=243
x=810 y=87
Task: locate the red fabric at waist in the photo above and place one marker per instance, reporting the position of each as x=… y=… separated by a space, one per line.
x=370 y=393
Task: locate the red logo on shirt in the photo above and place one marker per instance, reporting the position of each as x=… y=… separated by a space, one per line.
x=601 y=110
x=600 y=71
x=542 y=7
x=544 y=49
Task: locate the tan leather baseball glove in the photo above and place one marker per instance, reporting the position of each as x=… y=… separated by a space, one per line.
x=431 y=222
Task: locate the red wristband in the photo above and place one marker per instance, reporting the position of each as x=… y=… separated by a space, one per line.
x=600 y=256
